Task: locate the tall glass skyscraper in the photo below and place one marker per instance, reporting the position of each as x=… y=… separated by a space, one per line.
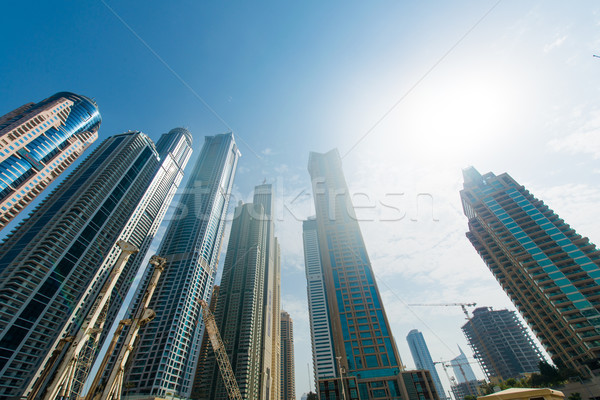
x=320 y=325
x=264 y=195
x=363 y=345
x=53 y=265
x=288 y=381
x=551 y=273
x=38 y=142
x=501 y=343
x=422 y=358
x=174 y=149
x=248 y=299
x=165 y=359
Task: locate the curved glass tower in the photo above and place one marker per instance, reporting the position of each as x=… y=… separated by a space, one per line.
x=38 y=142
x=422 y=357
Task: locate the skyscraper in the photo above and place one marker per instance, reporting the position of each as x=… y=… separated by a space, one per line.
x=501 y=343
x=53 y=265
x=320 y=324
x=38 y=142
x=462 y=368
x=467 y=382
x=263 y=195
x=248 y=300
x=165 y=360
x=422 y=358
x=550 y=272
x=288 y=383
x=366 y=355
x=174 y=149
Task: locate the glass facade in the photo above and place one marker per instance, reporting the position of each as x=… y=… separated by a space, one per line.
x=322 y=344
x=38 y=142
x=551 y=273
x=248 y=301
x=165 y=359
x=361 y=335
x=240 y=312
x=54 y=262
x=422 y=358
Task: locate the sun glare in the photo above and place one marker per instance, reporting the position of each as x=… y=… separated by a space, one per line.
x=448 y=118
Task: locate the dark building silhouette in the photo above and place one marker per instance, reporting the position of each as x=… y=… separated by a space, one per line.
x=501 y=344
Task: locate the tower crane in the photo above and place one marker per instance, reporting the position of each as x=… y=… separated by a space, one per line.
x=221 y=355
x=489 y=355
x=72 y=370
x=113 y=387
x=452 y=380
x=461 y=305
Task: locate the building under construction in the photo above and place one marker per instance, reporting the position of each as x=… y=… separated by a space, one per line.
x=501 y=343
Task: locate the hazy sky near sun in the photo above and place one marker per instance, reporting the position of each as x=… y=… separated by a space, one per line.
x=431 y=87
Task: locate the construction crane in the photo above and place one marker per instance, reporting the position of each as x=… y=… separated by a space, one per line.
x=72 y=370
x=461 y=305
x=452 y=380
x=222 y=359
x=479 y=358
x=113 y=387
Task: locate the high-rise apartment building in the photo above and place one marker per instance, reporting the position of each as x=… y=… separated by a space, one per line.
x=320 y=325
x=38 y=142
x=550 y=272
x=501 y=344
x=422 y=358
x=288 y=382
x=166 y=357
x=264 y=195
x=174 y=149
x=419 y=385
x=245 y=312
x=367 y=359
x=53 y=265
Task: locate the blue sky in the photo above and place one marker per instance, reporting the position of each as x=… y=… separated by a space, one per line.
x=435 y=86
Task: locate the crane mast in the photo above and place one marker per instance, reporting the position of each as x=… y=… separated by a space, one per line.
x=73 y=369
x=113 y=387
x=222 y=359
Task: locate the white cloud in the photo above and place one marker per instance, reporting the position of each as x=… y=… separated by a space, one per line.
x=556 y=43
x=585 y=136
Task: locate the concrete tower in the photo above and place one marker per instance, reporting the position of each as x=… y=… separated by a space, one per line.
x=501 y=344
x=248 y=301
x=288 y=383
x=551 y=274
